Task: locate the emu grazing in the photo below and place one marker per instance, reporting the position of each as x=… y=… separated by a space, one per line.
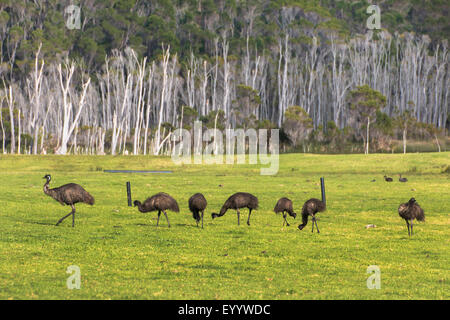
x=197 y=204
x=238 y=201
x=310 y=208
x=388 y=179
x=68 y=194
x=410 y=211
x=285 y=205
x=402 y=179
x=158 y=202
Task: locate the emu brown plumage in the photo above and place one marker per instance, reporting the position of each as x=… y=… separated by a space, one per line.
x=310 y=208
x=158 y=202
x=284 y=205
x=238 y=201
x=68 y=194
x=410 y=211
x=197 y=204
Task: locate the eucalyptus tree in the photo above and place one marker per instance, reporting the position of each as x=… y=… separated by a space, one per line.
x=364 y=103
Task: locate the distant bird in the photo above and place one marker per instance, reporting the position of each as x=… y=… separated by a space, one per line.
x=238 y=201
x=402 y=179
x=68 y=194
x=285 y=205
x=373 y=180
x=410 y=211
x=310 y=208
x=158 y=202
x=197 y=204
x=388 y=179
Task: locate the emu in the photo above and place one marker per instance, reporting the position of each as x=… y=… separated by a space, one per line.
x=285 y=205
x=388 y=179
x=410 y=211
x=158 y=202
x=197 y=204
x=238 y=201
x=402 y=179
x=310 y=208
x=68 y=194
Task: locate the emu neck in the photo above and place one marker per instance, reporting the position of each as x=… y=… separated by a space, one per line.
x=305 y=217
x=140 y=207
x=223 y=210
x=47 y=190
x=50 y=192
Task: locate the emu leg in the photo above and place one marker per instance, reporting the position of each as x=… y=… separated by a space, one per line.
x=73 y=216
x=168 y=223
x=157 y=221
x=61 y=220
x=411 y=226
x=407 y=224
x=238 y=215
x=285 y=220
x=196 y=220
x=315 y=221
x=248 y=220
x=203 y=211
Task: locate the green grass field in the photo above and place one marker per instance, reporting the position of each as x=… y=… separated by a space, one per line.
x=122 y=255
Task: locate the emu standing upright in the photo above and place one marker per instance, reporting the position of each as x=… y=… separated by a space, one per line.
x=68 y=194
x=238 y=201
x=285 y=205
x=197 y=204
x=310 y=208
x=410 y=211
x=158 y=202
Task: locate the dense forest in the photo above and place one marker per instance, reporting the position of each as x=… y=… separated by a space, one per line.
x=135 y=70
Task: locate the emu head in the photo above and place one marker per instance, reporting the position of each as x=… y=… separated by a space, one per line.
x=136 y=203
x=412 y=200
x=48 y=177
x=293 y=215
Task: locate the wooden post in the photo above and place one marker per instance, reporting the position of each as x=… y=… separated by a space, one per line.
x=129 y=193
x=322 y=186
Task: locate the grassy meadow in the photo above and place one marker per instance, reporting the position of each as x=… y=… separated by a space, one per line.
x=122 y=255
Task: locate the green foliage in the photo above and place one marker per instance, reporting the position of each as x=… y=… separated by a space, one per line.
x=214 y=119
x=366 y=101
x=384 y=123
x=193 y=26
x=189 y=116
x=297 y=124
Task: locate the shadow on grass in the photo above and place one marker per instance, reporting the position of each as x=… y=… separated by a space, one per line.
x=43 y=223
